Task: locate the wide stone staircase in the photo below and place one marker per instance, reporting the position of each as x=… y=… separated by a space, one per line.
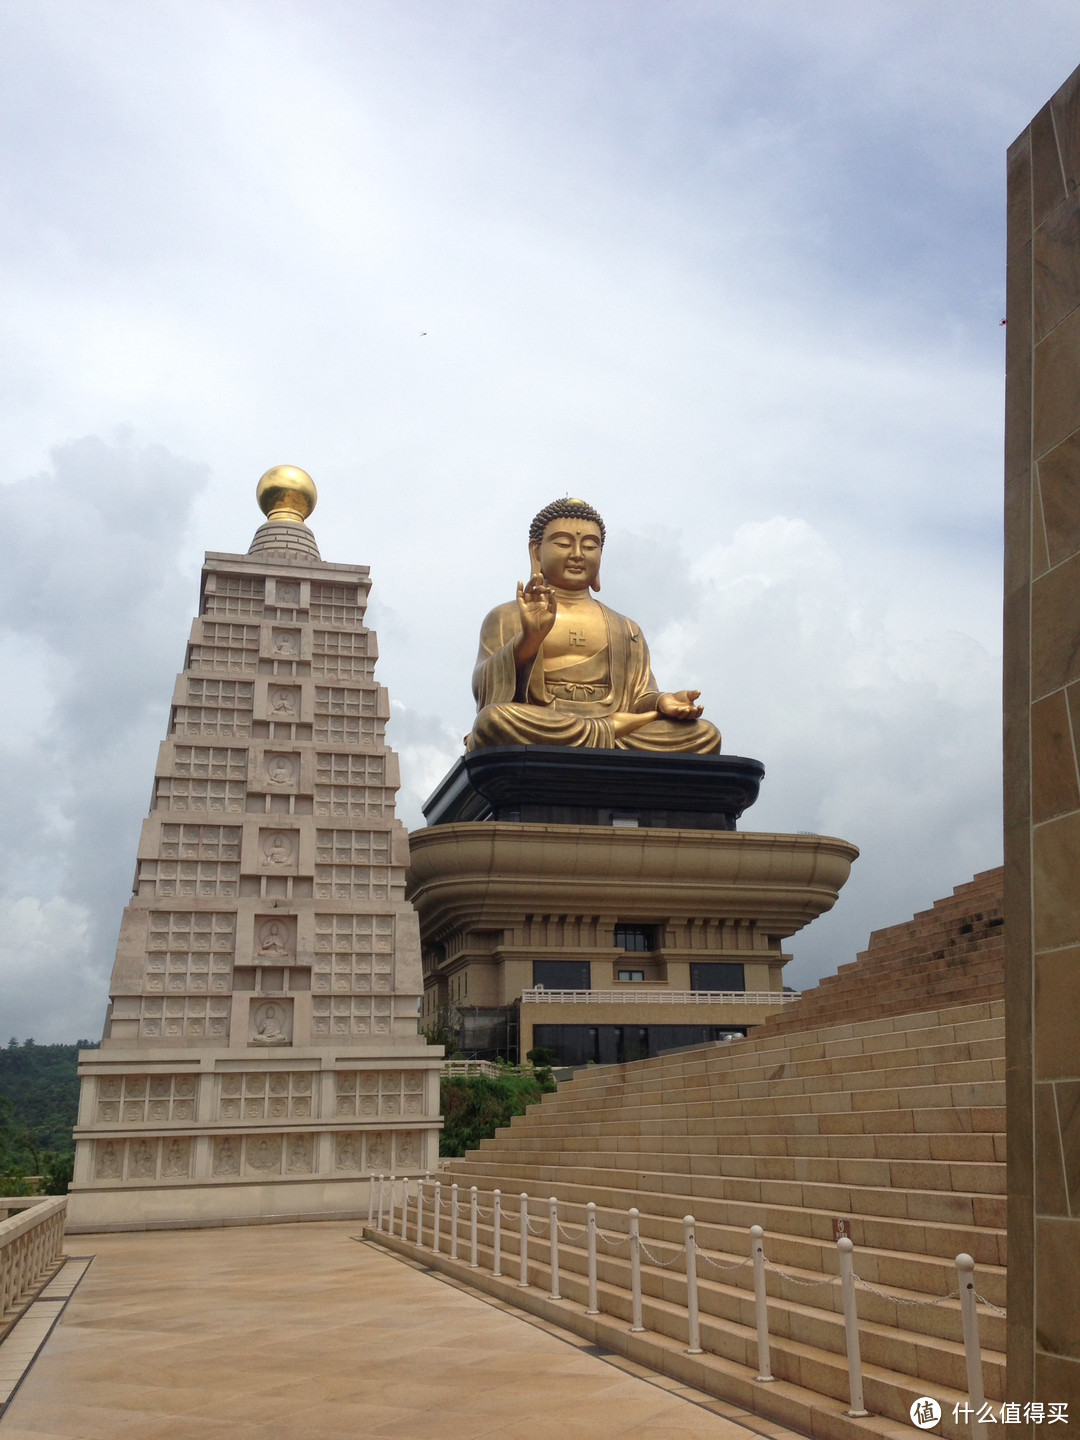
x=893 y=1124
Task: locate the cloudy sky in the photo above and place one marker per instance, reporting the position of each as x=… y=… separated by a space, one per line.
x=730 y=269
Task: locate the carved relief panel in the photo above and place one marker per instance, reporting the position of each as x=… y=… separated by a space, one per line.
x=270 y=1023
x=278 y=852
x=274 y=939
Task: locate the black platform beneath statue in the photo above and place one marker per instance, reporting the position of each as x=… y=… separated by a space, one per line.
x=561 y=785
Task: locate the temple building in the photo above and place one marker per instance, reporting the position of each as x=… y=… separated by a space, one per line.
x=261 y=1054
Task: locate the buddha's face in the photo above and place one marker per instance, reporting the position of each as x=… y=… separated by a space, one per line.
x=569 y=554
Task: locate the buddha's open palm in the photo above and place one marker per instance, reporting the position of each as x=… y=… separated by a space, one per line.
x=679 y=705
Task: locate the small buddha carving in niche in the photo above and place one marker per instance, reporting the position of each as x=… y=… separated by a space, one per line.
x=556 y=667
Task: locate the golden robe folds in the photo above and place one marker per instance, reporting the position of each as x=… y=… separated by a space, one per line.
x=571 y=702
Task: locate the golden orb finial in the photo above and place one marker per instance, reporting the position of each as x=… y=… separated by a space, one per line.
x=286 y=494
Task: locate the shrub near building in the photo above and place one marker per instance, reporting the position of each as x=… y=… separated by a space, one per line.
x=475 y=1106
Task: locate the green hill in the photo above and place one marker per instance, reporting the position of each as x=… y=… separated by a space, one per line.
x=39 y=1102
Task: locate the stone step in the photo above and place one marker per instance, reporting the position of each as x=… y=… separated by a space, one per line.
x=771 y=1050
x=971 y=1146
x=943 y=1207
x=944 y=1236
x=810 y=1254
x=905 y=1071
x=941 y=1175
x=988 y=1119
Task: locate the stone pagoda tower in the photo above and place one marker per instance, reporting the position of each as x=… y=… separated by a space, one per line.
x=261 y=1055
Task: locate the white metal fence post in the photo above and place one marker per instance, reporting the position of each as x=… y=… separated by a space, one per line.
x=553 y=1237
x=382 y=1178
x=590 y=1233
x=692 y=1322
x=761 y=1304
x=420 y=1213
x=371 y=1200
x=496 y=1236
x=851 y=1325
x=635 y=1269
x=436 y=1218
x=965 y=1271
x=473 y=1204
x=523 y=1243
x=405 y=1208
x=453 y=1220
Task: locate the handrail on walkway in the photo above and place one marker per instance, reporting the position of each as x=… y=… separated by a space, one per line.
x=690 y=1255
x=31 y=1242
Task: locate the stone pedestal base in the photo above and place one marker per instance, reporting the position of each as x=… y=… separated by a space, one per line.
x=204 y=1138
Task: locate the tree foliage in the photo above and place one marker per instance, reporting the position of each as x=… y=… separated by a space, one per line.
x=39 y=1103
x=475 y=1106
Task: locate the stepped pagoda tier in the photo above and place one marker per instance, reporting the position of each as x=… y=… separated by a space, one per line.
x=261 y=1055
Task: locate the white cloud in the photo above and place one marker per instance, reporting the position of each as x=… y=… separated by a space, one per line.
x=706 y=265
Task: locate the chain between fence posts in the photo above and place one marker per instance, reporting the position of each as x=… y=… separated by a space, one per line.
x=851 y=1326
x=965 y=1271
x=553 y=1230
x=692 y=1323
x=420 y=1213
x=590 y=1233
x=635 y=1270
x=436 y=1218
x=761 y=1305
x=496 y=1239
x=473 y=1202
x=381 y=1180
x=523 y=1242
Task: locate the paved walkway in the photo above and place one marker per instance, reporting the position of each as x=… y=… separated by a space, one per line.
x=299 y=1332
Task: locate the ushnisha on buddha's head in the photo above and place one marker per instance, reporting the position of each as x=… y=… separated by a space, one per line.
x=566 y=540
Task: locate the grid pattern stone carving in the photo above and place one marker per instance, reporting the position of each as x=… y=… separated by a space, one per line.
x=351 y=785
x=181 y=1017
x=346 y=1015
x=137 y=1099
x=353 y=952
x=191 y=953
x=235 y=595
x=342 y=656
x=284 y=1095
x=195 y=860
x=369 y=1093
x=226 y=647
x=336 y=605
x=215 y=707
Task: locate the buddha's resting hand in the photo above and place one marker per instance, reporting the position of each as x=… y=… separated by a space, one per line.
x=537 y=608
x=679 y=705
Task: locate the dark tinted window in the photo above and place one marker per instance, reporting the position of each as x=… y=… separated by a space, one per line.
x=635 y=937
x=717 y=975
x=562 y=974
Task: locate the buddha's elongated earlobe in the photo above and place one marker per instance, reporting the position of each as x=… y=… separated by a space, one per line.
x=594 y=585
x=536 y=571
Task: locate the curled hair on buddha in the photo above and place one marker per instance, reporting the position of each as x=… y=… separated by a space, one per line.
x=565 y=510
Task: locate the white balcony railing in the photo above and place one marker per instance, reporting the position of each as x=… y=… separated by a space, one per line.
x=632 y=995
x=31 y=1244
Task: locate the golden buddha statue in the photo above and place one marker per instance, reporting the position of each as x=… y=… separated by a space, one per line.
x=557 y=667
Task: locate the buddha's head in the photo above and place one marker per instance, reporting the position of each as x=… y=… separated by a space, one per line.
x=566 y=540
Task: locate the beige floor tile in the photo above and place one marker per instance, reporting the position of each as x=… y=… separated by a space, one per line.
x=301 y=1333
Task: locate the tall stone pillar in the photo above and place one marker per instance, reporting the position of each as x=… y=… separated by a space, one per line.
x=1042 y=742
x=261 y=1055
